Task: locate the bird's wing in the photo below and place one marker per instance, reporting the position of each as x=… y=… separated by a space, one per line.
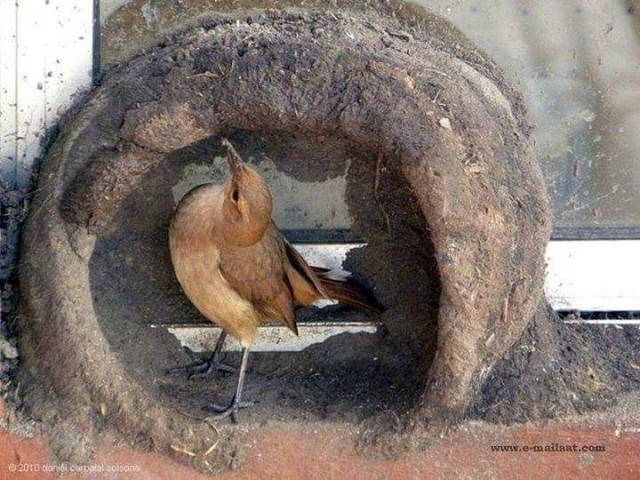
x=310 y=284
x=305 y=284
x=339 y=286
x=257 y=273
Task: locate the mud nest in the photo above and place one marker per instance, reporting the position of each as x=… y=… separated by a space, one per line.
x=443 y=185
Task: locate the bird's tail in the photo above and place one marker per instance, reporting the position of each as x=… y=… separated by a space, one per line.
x=338 y=285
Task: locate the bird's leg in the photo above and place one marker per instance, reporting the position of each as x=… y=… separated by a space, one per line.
x=236 y=403
x=207 y=367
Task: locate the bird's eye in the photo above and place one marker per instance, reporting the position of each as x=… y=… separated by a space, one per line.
x=235 y=195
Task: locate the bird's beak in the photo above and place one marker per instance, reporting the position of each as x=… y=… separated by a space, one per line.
x=235 y=161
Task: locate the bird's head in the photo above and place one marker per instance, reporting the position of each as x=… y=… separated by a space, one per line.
x=247 y=203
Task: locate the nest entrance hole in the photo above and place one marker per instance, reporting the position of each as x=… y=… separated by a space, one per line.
x=350 y=376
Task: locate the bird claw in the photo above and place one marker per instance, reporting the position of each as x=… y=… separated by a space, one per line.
x=201 y=369
x=220 y=409
x=224 y=412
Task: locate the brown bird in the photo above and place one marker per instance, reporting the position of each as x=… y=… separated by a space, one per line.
x=238 y=269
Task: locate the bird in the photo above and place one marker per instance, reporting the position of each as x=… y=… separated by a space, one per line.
x=239 y=270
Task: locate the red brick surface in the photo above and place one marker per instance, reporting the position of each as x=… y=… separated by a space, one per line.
x=297 y=452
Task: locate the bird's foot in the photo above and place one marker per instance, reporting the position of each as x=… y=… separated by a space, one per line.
x=202 y=369
x=224 y=412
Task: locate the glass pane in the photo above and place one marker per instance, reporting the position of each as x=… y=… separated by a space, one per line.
x=578 y=65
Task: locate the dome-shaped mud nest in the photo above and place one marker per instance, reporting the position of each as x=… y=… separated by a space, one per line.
x=441 y=183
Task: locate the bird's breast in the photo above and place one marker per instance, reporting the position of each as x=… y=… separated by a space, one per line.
x=197 y=267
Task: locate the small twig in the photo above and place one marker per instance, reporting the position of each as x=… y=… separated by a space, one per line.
x=376 y=196
x=193 y=417
x=182 y=450
x=376 y=180
x=211 y=448
x=434 y=70
x=505 y=309
x=437 y=95
x=401 y=35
